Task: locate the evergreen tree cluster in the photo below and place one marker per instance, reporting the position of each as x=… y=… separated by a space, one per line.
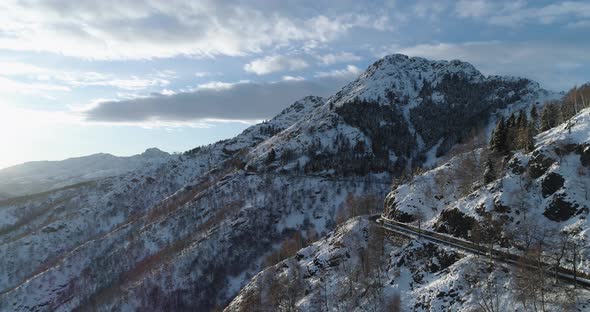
x=516 y=133
x=462 y=97
x=270 y=130
x=557 y=112
x=551 y=115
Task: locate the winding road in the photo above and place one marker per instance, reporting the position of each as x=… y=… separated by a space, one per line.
x=472 y=248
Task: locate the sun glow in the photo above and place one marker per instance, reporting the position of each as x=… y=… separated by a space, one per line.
x=23 y=128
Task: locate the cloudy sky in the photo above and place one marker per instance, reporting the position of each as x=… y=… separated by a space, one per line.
x=119 y=76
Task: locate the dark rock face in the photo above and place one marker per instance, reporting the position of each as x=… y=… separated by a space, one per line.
x=401 y=216
x=392 y=213
x=455 y=223
x=566 y=149
x=560 y=210
x=539 y=164
x=425 y=258
x=428 y=252
x=551 y=184
x=585 y=155
x=515 y=166
x=499 y=207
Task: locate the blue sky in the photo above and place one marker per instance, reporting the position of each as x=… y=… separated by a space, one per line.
x=81 y=77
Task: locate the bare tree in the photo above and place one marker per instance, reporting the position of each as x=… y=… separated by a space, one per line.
x=293 y=287
x=395 y=304
x=321 y=295
x=491 y=233
x=420 y=218
x=441 y=179
x=577 y=244
x=488 y=295
x=558 y=252
x=583 y=174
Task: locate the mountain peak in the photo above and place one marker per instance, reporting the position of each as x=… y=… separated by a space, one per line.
x=401 y=76
x=154 y=152
x=396 y=62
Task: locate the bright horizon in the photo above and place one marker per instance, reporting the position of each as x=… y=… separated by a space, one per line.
x=79 y=78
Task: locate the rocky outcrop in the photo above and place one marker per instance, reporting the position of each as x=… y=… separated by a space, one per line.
x=551 y=183
x=560 y=209
x=455 y=223
x=539 y=164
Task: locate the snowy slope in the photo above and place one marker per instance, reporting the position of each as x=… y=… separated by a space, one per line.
x=49 y=223
x=545 y=191
x=339 y=273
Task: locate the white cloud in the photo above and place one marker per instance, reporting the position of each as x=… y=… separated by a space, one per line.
x=167 y=92
x=293 y=78
x=132 y=84
x=217 y=85
x=18 y=68
x=115 y=29
x=10 y=86
x=514 y=13
x=473 y=8
x=349 y=72
x=342 y=57
x=48 y=79
x=203 y=74
x=579 y=24
x=429 y=9
x=275 y=63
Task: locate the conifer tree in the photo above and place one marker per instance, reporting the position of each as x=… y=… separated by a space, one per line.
x=499 y=138
x=534 y=113
x=272 y=156
x=489 y=174
x=530 y=131
x=511 y=123
x=549 y=116
x=521 y=121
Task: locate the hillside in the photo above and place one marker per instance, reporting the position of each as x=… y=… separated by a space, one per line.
x=191 y=232
x=537 y=206
x=543 y=193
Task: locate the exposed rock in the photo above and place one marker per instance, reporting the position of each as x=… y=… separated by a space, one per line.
x=499 y=207
x=539 y=164
x=585 y=155
x=516 y=166
x=560 y=210
x=552 y=183
x=454 y=222
x=566 y=149
x=430 y=258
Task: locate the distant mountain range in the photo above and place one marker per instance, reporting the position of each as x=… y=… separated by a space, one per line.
x=39 y=176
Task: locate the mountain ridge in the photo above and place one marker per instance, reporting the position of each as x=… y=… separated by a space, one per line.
x=191 y=231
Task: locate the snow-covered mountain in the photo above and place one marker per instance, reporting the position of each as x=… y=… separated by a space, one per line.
x=400 y=113
x=188 y=233
x=545 y=192
x=542 y=196
x=40 y=176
